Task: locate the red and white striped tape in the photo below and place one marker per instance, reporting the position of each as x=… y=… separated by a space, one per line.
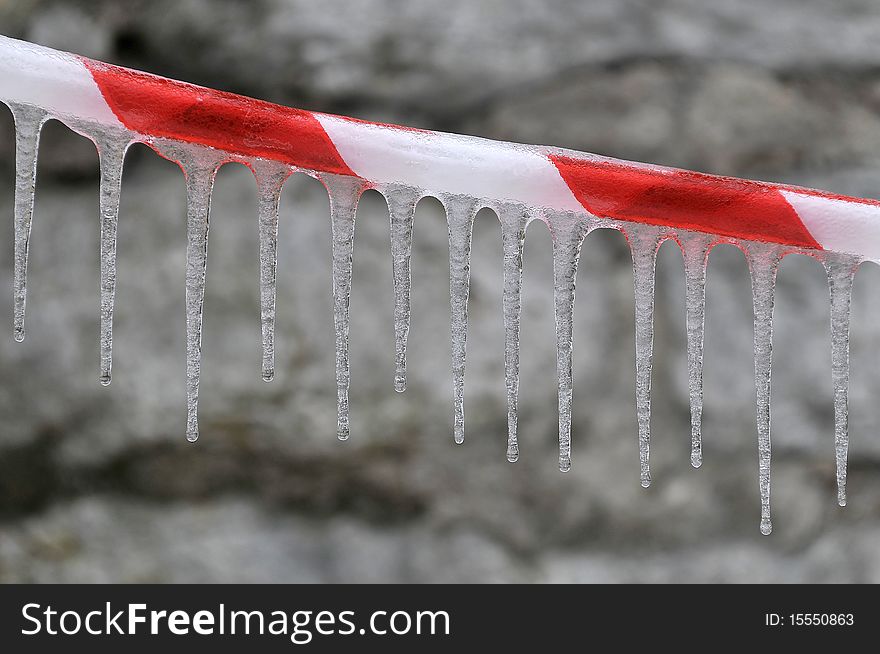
x=70 y=86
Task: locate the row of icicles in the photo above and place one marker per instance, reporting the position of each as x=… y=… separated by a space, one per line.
x=568 y=230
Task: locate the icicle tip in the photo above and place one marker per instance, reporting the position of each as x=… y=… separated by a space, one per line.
x=766 y=527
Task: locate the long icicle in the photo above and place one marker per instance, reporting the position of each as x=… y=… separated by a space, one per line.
x=840 y=269
x=199 y=184
x=111 y=155
x=344 y=194
x=270 y=177
x=460 y=213
x=695 y=249
x=568 y=232
x=401 y=210
x=514 y=220
x=28 y=123
x=763 y=265
x=644 y=241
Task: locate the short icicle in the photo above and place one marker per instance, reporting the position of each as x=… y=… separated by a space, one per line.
x=568 y=232
x=270 y=178
x=401 y=208
x=28 y=123
x=644 y=241
x=763 y=261
x=199 y=185
x=460 y=213
x=111 y=154
x=695 y=249
x=841 y=269
x=514 y=220
x=344 y=194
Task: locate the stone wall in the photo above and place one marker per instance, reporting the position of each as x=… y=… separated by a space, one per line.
x=98 y=484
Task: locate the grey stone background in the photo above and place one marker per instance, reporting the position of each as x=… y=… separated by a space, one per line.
x=98 y=484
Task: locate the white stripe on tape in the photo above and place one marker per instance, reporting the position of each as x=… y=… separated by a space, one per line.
x=838 y=225
x=449 y=163
x=55 y=81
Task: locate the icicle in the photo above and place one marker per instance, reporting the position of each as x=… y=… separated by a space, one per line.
x=695 y=248
x=460 y=213
x=270 y=178
x=841 y=269
x=28 y=123
x=401 y=207
x=513 y=233
x=344 y=194
x=111 y=153
x=568 y=232
x=763 y=263
x=644 y=241
x=199 y=184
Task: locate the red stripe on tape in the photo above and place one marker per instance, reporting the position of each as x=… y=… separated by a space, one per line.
x=161 y=107
x=679 y=198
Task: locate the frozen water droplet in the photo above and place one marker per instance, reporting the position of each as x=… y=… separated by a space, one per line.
x=695 y=249
x=460 y=213
x=28 y=123
x=270 y=178
x=644 y=241
x=401 y=208
x=841 y=269
x=763 y=261
x=344 y=194
x=513 y=233
x=568 y=232
x=111 y=154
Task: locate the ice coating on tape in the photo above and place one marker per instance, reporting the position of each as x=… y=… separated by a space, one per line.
x=70 y=86
x=573 y=193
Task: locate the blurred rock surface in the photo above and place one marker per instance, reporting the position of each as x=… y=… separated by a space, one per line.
x=97 y=484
